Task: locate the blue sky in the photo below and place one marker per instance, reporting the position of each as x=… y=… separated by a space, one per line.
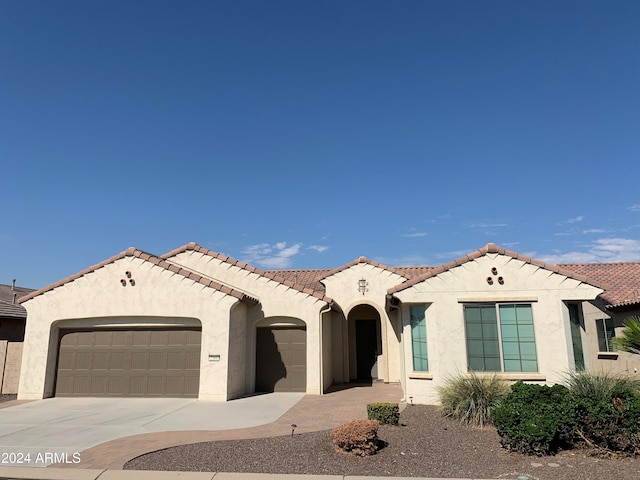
x=299 y=134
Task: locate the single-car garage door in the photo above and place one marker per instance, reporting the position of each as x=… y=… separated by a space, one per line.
x=281 y=359
x=133 y=362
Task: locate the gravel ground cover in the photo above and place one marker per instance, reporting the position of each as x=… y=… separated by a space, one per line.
x=427 y=445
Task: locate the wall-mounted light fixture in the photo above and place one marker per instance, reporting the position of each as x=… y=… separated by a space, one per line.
x=494 y=271
x=490 y=280
x=213 y=357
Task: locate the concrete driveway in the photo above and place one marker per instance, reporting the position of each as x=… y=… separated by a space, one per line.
x=39 y=433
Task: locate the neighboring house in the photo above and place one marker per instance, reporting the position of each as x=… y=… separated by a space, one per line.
x=196 y=323
x=12 y=321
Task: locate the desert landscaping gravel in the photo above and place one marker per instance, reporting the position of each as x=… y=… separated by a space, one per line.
x=427 y=445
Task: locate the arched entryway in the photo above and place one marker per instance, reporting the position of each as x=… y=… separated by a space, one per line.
x=365 y=343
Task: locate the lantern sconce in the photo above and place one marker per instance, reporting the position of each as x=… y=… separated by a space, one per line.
x=501 y=280
x=494 y=271
x=490 y=280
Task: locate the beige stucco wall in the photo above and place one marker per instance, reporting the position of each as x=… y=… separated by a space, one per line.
x=276 y=300
x=444 y=296
x=237 y=352
x=159 y=297
x=615 y=362
x=343 y=288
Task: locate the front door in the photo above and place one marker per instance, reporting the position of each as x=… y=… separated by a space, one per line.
x=366 y=349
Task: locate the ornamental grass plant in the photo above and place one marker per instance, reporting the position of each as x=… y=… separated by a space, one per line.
x=470 y=397
x=599 y=386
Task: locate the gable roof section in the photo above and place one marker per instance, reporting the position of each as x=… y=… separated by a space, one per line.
x=288 y=280
x=492 y=248
x=622 y=280
x=147 y=257
x=408 y=272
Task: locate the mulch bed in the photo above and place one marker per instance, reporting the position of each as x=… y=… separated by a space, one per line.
x=427 y=445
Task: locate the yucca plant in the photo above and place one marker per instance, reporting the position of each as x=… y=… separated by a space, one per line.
x=470 y=397
x=629 y=339
x=599 y=386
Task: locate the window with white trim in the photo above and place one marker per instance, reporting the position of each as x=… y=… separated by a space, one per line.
x=606 y=333
x=500 y=337
x=419 y=338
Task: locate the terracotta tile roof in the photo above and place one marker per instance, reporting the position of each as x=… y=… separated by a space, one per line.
x=273 y=275
x=357 y=261
x=491 y=248
x=312 y=278
x=7 y=306
x=309 y=278
x=133 y=252
x=621 y=280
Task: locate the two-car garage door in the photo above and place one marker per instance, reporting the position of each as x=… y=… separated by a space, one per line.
x=129 y=362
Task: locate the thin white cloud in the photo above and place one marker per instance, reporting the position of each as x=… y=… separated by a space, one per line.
x=635 y=208
x=266 y=255
x=488 y=225
x=318 y=248
x=453 y=254
x=594 y=230
x=414 y=234
x=577 y=219
x=602 y=250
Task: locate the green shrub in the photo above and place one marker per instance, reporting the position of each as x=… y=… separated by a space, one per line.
x=358 y=437
x=599 y=386
x=469 y=398
x=534 y=419
x=610 y=423
x=385 y=413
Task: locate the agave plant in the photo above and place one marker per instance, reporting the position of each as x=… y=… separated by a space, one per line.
x=629 y=339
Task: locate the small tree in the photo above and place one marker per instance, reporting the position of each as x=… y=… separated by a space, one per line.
x=629 y=339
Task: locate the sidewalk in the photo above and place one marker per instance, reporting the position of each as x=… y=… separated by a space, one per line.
x=15 y=473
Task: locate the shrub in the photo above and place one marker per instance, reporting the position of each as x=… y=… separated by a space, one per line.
x=385 y=413
x=469 y=398
x=534 y=419
x=358 y=437
x=610 y=422
x=599 y=386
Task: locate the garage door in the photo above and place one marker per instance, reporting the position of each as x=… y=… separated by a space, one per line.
x=281 y=359
x=122 y=363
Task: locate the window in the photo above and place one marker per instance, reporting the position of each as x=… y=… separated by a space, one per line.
x=500 y=338
x=576 y=336
x=606 y=334
x=419 y=338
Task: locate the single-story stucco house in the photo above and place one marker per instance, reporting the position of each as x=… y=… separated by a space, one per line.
x=193 y=322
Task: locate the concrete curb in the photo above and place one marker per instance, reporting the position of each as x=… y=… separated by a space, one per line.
x=26 y=473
